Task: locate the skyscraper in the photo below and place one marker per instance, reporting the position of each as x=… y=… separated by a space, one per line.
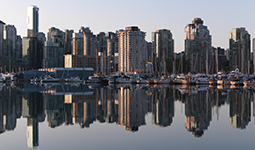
x=1 y=36
x=132 y=49
x=10 y=37
x=32 y=20
x=198 y=46
x=239 y=49
x=163 y=51
x=68 y=42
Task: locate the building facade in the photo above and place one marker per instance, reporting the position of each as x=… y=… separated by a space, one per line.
x=132 y=50
x=53 y=55
x=32 y=53
x=90 y=42
x=163 y=51
x=98 y=63
x=68 y=42
x=32 y=20
x=10 y=37
x=239 y=50
x=198 y=46
x=78 y=44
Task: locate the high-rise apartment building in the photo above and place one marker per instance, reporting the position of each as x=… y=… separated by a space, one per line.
x=198 y=46
x=10 y=37
x=32 y=20
x=132 y=50
x=90 y=41
x=78 y=44
x=68 y=42
x=163 y=51
x=57 y=36
x=19 y=47
x=53 y=55
x=112 y=48
x=239 y=50
x=32 y=53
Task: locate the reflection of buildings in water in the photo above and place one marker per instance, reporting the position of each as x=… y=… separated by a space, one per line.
x=80 y=109
x=33 y=110
x=132 y=108
x=10 y=108
x=240 y=109
x=54 y=109
x=107 y=106
x=198 y=113
x=32 y=133
x=163 y=107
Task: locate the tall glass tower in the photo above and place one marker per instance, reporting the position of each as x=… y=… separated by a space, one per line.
x=32 y=20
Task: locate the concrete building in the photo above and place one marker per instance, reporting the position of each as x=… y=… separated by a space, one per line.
x=90 y=41
x=32 y=20
x=239 y=50
x=149 y=51
x=78 y=44
x=68 y=42
x=32 y=53
x=1 y=36
x=10 y=37
x=57 y=36
x=19 y=48
x=53 y=55
x=163 y=51
x=41 y=37
x=132 y=50
x=198 y=46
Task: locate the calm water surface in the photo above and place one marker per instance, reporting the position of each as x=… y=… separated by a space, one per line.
x=49 y=117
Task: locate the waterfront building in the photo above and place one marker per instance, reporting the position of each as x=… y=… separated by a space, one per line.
x=78 y=44
x=83 y=61
x=149 y=51
x=112 y=49
x=32 y=21
x=10 y=37
x=239 y=50
x=219 y=60
x=32 y=53
x=57 y=36
x=132 y=50
x=68 y=41
x=163 y=51
x=53 y=55
x=90 y=42
x=1 y=37
x=19 y=48
x=198 y=46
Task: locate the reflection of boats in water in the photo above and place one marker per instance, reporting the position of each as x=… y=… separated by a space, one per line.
x=73 y=79
x=50 y=79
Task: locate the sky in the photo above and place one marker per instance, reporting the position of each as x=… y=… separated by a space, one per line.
x=220 y=16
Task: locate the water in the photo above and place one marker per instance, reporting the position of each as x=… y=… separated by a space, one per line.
x=125 y=117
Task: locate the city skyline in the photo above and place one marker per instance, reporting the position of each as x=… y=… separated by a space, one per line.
x=219 y=20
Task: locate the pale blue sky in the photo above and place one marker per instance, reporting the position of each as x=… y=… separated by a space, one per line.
x=109 y=15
